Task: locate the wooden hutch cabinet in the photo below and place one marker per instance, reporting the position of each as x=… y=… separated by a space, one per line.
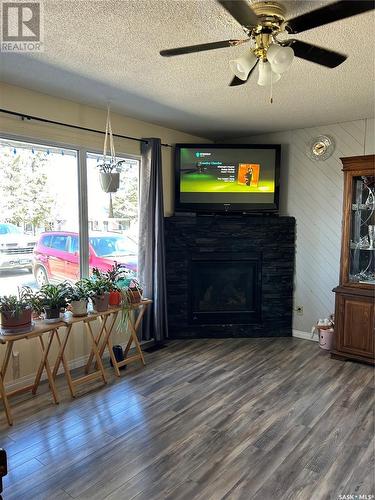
x=355 y=305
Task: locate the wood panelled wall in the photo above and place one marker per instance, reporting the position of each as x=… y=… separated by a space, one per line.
x=311 y=191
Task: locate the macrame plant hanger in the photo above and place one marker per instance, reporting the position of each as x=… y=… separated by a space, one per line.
x=109 y=169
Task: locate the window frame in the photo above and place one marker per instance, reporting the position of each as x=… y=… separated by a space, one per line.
x=83 y=220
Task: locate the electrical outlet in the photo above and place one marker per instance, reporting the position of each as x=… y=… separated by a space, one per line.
x=299 y=310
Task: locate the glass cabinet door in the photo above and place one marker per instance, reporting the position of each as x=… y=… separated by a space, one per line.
x=362 y=229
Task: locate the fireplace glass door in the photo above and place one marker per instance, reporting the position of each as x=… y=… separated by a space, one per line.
x=225 y=289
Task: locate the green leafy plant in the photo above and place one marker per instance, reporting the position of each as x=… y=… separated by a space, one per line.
x=112 y=274
x=99 y=283
x=111 y=166
x=54 y=296
x=14 y=306
x=79 y=291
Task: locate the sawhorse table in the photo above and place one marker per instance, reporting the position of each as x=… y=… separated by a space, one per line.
x=104 y=337
x=98 y=373
x=40 y=328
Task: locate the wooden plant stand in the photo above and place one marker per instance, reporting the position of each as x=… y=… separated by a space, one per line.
x=40 y=329
x=106 y=341
x=98 y=373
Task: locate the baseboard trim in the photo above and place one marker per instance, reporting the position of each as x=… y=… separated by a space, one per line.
x=299 y=334
x=74 y=363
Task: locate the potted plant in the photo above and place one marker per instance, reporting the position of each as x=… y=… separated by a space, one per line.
x=131 y=293
x=109 y=177
x=135 y=291
x=16 y=312
x=109 y=170
x=78 y=298
x=114 y=274
x=130 y=285
x=53 y=298
x=100 y=286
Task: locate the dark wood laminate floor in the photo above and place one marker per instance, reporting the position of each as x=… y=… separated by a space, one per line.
x=206 y=419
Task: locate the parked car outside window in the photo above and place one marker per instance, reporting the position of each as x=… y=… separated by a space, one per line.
x=16 y=248
x=56 y=255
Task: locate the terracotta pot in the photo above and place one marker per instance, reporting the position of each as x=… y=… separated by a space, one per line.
x=135 y=295
x=101 y=302
x=21 y=320
x=114 y=298
x=79 y=307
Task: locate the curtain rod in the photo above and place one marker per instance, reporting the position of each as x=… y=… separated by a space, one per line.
x=86 y=129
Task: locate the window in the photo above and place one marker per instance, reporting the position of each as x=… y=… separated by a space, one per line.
x=73 y=244
x=58 y=242
x=46 y=240
x=39 y=215
x=113 y=218
x=38 y=205
x=9 y=229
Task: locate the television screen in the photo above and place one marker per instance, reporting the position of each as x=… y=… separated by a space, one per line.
x=227 y=178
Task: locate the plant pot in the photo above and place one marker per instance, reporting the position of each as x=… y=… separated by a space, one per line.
x=109 y=181
x=52 y=313
x=101 y=302
x=8 y=320
x=115 y=298
x=79 y=307
x=135 y=295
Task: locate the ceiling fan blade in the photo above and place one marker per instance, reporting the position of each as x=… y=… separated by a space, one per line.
x=328 y=14
x=198 y=48
x=241 y=11
x=315 y=54
x=237 y=81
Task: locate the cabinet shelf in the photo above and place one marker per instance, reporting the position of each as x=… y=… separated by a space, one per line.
x=353 y=246
x=359 y=207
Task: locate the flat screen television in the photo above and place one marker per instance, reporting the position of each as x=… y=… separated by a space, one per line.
x=218 y=178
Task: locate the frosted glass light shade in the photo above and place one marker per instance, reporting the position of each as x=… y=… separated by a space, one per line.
x=266 y=75
x=241 y=67
x=280 y=57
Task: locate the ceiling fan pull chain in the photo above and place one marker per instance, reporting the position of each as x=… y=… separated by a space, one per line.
x=271 y=90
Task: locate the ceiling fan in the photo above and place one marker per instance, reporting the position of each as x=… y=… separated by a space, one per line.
x=265 y=26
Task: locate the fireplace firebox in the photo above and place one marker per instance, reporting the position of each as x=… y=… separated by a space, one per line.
x=225 y=289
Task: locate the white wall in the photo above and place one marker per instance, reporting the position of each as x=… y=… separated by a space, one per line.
x=311 y=191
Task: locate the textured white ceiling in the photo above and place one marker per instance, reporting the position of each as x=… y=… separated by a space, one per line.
x=101 y=50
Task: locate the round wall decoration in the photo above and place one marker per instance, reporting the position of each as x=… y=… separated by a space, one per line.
x=321 y=147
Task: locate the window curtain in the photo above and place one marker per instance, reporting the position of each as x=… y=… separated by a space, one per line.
x=151 y=254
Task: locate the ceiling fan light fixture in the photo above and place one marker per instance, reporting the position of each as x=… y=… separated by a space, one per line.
x=280 y=57
x=241 y=67
x=266 y=75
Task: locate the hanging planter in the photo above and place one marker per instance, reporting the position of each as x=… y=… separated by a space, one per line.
x=109 y=181
x=109 y=170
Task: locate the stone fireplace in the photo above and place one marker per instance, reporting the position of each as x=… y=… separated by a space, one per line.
x=229 y=276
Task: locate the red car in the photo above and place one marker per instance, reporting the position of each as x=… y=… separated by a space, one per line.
x=56 y=255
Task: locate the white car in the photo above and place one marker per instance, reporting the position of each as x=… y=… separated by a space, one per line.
x=16 y=248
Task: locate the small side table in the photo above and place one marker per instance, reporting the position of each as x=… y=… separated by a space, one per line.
x=39 y=329
x=94 y=341
x=106 y=333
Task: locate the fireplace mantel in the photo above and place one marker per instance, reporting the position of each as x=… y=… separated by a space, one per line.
x=269 y=239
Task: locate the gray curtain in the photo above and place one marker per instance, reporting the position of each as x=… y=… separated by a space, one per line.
x=151 y=255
